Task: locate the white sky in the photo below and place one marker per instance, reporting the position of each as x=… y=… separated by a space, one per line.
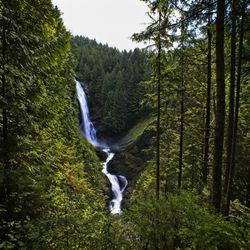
x=108 y=21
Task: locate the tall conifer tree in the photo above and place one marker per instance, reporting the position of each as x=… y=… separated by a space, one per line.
x=220 y=105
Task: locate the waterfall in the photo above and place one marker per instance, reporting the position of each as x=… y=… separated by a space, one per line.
x=118 y=182
x=87 y=126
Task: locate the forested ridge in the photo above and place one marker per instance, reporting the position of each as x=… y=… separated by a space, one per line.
x=180 y=108
x=113 y=81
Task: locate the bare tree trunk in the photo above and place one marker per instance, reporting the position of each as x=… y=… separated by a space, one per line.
x=220 y=105
x=4 y=116
x=208 y=103
x=248 y=189
x=228 y=169
x=4 y=111
x=181 y=128
x=237 y=104
x=158 y=111
x=182 y=113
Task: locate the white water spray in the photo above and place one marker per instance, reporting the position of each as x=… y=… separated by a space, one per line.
x=118 y=183
x=87 y=126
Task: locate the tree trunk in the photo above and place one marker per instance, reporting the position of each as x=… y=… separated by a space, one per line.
x=182 y=111
x=182 y=124
x=237 y=102
x=4 y=117
x=228 y=170
x=248 y=189
x=220 y=105
x=208 y=103
x=4 y=111
x=158 y=111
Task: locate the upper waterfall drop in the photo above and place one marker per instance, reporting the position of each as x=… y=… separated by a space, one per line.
x=118 y=183
x=87 y=126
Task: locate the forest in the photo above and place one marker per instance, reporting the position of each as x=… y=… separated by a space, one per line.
x=112 y=78
x=176 y=114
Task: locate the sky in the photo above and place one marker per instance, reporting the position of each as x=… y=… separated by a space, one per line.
x=108 y=21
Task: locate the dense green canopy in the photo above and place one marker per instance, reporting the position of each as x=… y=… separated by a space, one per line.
x=113 y=79
x=189 y=173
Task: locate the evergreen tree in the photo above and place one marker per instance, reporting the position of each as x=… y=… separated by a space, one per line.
x=107 y=72
x=220 y=105
x=47 y=186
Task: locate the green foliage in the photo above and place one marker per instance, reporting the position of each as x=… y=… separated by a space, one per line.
x=113 y=79
x=52 y=192
x=181 y=221
x=190 y=54
x=175 y=222
x=51 y=187
x=136 y=132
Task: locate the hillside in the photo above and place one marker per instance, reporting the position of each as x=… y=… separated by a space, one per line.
x=113 y=81
x=133 y=152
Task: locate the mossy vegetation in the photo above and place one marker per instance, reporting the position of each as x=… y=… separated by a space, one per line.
x=133 y=152
x=135 y=132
